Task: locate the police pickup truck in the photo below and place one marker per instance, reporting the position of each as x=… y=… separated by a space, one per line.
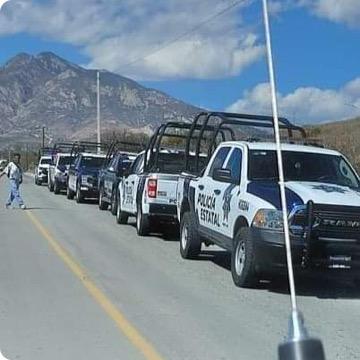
x=59 y=166
x=117 y=161
x=82 y=181
x=234 y=202
x=41 y=170
x=148 y=190
x=58 y=172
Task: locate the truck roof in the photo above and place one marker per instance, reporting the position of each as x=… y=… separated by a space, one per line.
x=89 y=154
x=285 y=146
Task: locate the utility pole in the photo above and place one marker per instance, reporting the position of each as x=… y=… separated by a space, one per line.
x=27 y=157
x=98 y=110
x=43 y=136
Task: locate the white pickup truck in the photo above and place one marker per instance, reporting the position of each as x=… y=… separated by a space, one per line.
x=58 y=172
x=148 y=190
x=41 y=170
x=235 y=203
x=150 y=196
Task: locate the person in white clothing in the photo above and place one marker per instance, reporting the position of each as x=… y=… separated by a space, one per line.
x=14 y=173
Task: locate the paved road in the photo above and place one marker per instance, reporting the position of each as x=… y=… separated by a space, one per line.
x=75 y=285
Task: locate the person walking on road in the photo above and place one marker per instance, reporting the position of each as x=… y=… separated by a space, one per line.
x=14 y=173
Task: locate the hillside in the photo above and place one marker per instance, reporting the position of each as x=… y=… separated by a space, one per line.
x=46 y=90
x=343 y=136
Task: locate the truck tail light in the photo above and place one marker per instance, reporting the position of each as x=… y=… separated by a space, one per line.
x=152 y=188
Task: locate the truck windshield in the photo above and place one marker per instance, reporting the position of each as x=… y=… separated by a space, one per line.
x=302 y=166
x=93 y=162
x=45 y=161
x=64 y=160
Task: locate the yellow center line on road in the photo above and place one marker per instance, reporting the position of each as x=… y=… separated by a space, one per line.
x=120 y=320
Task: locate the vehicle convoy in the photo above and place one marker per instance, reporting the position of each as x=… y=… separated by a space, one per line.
x=82 y=181
x=148 y=190
x=234 y=202
x=118 y=160
x=42 y=168
x=59 y=167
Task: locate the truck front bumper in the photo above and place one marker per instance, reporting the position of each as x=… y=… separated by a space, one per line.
x=325 y=253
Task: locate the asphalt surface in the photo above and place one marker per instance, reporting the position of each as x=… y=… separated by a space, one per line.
x=181 y=309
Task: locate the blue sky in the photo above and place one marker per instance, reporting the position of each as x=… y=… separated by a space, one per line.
x=220 y=66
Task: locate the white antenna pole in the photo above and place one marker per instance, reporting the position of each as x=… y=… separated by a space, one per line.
x=279 y=157
x=98 y=110
x=299 y=345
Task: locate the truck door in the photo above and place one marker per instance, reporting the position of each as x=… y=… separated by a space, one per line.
x=109 y=177
x=208 y=194
x=230 y=204
x=131 y=185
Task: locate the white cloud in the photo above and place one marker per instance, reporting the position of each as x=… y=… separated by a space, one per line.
x=305 y=105
x=341 y=11
x=114 y=33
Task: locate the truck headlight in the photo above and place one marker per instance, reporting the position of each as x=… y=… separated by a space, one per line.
x=84 y=179
x=269 y=219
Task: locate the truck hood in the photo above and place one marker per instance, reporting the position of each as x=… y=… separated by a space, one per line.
x=299 y=193
x=325 y=193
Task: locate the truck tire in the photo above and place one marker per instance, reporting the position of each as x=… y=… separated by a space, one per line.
x=56 y=188
x=114 y=200
x=79 y=195
x=102 y=205
x=142 y=223
x=243 y=260
x=121 y=216
x=69 y=193
x=190 y=243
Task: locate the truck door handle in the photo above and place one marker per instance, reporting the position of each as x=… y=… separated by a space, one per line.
x=201 y=187
x=217 y=192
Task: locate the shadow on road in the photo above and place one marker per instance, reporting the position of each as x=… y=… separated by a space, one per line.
x=166 y=232
x=321 y=284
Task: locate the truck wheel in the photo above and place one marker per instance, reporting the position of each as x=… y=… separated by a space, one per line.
x=142 y=223
x=79 y=195
x=243 y=260
x=114 y=200
x=121 y=216
x=69 y=193
x=56 y=188
x=190 y=244
x=102 y=205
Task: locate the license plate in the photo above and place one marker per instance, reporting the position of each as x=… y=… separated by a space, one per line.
x=340 y=258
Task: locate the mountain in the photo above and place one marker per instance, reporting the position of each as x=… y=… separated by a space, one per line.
x=46 y=90
x=341 y=135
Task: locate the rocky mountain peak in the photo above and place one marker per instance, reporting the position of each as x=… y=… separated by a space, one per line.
x=19 y=60
x=55 y=64
x=45 y=89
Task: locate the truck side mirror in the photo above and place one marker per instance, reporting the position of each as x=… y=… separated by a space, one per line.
x=126 y=172
x=222 y=175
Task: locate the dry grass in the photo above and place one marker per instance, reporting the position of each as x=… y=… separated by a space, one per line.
x=343 y=136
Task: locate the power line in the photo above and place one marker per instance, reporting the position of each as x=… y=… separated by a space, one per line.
x=185 y=34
